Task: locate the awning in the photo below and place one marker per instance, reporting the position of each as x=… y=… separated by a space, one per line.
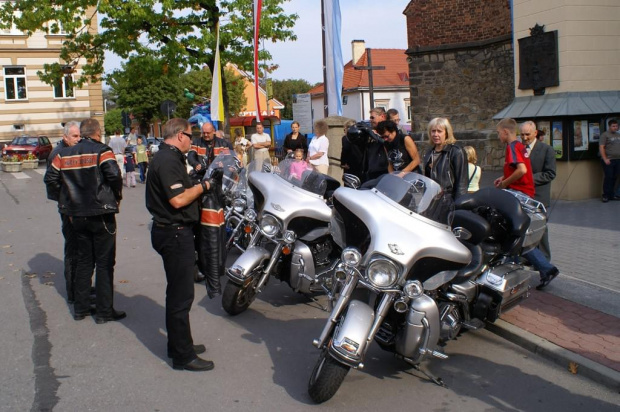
x=562 y=104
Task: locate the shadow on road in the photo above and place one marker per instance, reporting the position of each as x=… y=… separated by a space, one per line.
x=508 y=388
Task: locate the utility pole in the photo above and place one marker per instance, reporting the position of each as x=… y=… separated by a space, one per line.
x=370 y=68
x=325 y=102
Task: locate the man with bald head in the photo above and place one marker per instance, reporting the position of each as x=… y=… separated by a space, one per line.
x=70 y=137
x=542 y=161
x=206 y=148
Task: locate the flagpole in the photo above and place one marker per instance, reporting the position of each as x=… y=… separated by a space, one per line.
x=325 y=100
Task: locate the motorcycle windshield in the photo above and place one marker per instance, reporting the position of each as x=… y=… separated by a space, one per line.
x=231 y=167
x=302 y=175
x=419 y=194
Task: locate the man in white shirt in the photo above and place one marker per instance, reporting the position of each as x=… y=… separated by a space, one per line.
x=261 y=142
x=118 y=145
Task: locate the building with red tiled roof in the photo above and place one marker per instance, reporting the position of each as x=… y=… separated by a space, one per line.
x=390 y=86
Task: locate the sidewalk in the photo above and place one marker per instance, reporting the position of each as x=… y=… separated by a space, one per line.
x=575 y=321
x=546 y=324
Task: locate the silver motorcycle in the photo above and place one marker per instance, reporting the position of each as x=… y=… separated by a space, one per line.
x=414 y=273
x=239 y=214
x=292 y=240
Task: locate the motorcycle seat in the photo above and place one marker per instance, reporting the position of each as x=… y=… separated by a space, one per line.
x=516 y=219
x=474 y=267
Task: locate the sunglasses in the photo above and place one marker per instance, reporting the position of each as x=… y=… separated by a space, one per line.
x=187 y=134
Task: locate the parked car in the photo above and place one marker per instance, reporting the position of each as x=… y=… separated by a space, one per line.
x=39 y=146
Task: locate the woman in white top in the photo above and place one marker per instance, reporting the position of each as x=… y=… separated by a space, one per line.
x=317 y=150
x=473 y=172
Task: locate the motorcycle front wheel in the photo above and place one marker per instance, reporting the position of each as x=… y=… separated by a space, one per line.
x=237 y=299
x=327 y=376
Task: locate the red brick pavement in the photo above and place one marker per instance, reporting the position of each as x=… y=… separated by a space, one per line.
x=579 y=329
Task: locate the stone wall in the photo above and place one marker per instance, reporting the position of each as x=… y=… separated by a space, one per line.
x=467 y=86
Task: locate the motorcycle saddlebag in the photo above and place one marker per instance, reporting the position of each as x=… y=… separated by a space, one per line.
x=510 y=283
x=538 y=222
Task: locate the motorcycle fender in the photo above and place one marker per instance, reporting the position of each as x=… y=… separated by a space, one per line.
x=245 y=264
x=351 y=335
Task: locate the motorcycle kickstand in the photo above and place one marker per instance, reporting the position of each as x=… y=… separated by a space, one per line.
x=315 y=300
x=436 y=381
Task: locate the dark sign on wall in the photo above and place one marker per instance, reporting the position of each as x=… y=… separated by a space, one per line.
x=538 y=60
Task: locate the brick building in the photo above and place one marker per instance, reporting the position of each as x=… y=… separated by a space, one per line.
x=460 y=58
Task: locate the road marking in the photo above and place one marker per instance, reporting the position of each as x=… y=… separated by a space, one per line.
x=589 y=283
x=40 y=171
x=21 y=175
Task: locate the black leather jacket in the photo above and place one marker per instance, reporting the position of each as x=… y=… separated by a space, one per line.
x=449 y=169
x=89 y=177
x=203 y=152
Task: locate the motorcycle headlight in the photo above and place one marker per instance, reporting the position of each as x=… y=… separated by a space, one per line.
x=413 y=289
x=250 y=215
x=382 y=273
x=351 y=257
x=270 y=225
x=239 y=205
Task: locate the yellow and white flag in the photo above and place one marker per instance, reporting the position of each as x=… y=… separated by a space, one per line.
x=217 y=102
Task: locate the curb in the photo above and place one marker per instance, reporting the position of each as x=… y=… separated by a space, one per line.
x=558 y=355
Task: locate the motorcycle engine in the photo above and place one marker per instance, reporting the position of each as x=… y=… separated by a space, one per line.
x=321 y=251
x=450 y=321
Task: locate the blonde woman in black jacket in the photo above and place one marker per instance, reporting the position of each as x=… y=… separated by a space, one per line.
x=445 y=162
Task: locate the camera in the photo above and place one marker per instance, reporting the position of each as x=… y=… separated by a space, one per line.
x=361 y=134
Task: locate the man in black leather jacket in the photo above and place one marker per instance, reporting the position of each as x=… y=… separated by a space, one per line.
x=91 y=185
x=71 y=137
x=205 y=149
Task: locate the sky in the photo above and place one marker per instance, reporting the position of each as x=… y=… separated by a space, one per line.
x=381 y=24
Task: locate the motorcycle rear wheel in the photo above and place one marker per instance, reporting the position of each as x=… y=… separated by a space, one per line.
x=327 y=376
x=237 y=299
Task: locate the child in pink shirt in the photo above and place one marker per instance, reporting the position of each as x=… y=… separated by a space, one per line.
x=299 y=165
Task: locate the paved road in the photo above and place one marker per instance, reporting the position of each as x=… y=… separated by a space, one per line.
x=263 y=357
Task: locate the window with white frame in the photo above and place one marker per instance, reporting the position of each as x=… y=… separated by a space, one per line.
x=11 y=31
x=64 y=87
x=384 y=103
x=408 y=109
x=15 y=87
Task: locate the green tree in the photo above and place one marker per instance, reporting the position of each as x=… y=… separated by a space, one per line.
x=112 y=120
x=283 y=90
x=180 y=32
x=142 y=84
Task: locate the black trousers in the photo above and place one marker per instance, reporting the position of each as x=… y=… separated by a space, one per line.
x=70 y=258
x=176 y=247
x=96 y=246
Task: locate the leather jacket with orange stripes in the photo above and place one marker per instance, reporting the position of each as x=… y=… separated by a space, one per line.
x=203 y=152
x=85 y=179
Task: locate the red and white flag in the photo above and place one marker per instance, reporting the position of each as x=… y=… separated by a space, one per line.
x=258 y=5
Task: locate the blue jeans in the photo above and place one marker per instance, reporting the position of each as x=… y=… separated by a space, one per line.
x=540 y=262
x=142 y=167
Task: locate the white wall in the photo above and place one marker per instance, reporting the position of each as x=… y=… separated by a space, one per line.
x=588 y=41
x=359 y=110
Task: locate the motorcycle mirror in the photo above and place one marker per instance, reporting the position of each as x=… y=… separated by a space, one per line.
x=351 y=180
